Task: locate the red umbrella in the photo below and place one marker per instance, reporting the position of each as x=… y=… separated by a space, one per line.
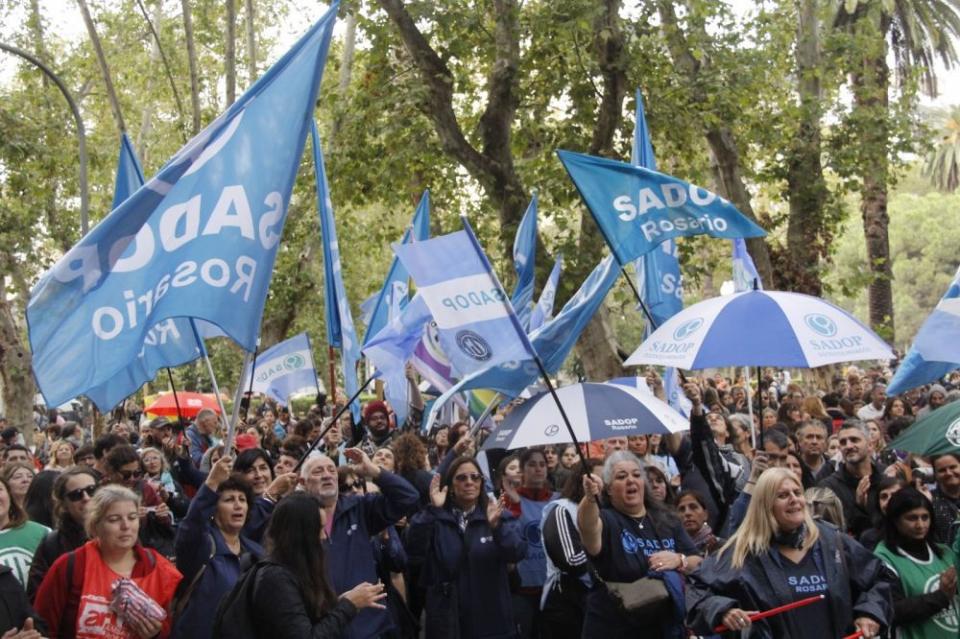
x=190 y=404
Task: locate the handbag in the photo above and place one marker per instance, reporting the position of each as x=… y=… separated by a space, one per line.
x=644 y=599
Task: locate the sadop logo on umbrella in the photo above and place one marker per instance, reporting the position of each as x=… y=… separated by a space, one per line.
x=953 y=433
x=821 y=324
x=687 y=329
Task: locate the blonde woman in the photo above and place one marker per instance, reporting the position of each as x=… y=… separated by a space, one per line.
x=780 y=555
x=61 y=455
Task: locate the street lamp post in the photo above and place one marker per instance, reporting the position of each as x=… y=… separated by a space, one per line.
x=81 y=133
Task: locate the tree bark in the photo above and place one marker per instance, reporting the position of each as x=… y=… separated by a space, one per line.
x=16 y=377
x=720 y=138
x=163 y=59
x=230 y=52
x=104 y=67
x=799 y=268
x=192 y=62
x=146 y=116
x=871 y=100
x=250 y=6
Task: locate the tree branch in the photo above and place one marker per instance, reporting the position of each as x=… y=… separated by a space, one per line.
x=608 y=45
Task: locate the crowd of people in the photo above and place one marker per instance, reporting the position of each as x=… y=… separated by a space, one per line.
x=380 y=530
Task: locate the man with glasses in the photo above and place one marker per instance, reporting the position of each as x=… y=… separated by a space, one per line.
x=351 y=520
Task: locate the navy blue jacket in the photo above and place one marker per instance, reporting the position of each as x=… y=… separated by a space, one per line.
x=465 y=574
x=349 y=553
x=199 y=543
x=858 y=585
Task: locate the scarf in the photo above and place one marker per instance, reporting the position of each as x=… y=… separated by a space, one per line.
x=704 y=536
x=793 y=539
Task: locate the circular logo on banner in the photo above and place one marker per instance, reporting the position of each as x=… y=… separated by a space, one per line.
x=953 y=433
x=688 y=328
x=474 y=346
x=293 y=362
x=551 y=430
x=821 y=324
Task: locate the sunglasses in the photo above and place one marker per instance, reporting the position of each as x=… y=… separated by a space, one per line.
x=131 y=474
x=77 y=495
x=474 y=477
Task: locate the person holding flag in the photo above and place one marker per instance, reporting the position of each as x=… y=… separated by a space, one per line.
x=780 y=555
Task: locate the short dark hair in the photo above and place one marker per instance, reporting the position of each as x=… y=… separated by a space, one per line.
x=105 y=443
x=528 y=453
x=7 y=450
x=122 y=455
x=777 y=437
x=249 y=457
x=238 y=483
x=82 y=452
x=903 y=501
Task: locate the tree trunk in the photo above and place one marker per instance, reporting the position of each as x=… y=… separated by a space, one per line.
x=723 y=146
x=871 y=105
x=104 y=67
x=251 y=12
x=16 y=377
x=230 y=52
x=158 y=47
x=346 y=70
x=146 y=117
x=192 y=62
x=799 y=268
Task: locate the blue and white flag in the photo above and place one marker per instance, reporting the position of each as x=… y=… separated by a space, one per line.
x=637 y=208
x=337 y=304
x=553 y=341
x=417 y=232
x=393 y=346
x=285 y=369
x=744 y=271
x=476 y=325
x=197 y=240
x=936 y=348
x=172 y=342
x=524 y=262
x=543 y=311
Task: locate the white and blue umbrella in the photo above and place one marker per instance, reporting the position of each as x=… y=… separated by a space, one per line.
x=596 y=411
x=760 y=328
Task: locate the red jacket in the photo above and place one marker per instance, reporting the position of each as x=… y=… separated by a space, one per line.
x=58 y=599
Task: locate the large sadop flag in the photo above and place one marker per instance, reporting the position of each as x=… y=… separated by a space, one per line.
x=418 y=231
x=337 y=304
x=476 y=325
x=172 y=342
x=637 y=208
x=285 y=369
x=552 y=342
x=197 y=240
x=936 y=348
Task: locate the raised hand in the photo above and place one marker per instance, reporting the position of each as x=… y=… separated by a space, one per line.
x=438 y=496
x=494 y=512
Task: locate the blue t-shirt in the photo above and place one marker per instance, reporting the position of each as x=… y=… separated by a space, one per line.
x=807 y=579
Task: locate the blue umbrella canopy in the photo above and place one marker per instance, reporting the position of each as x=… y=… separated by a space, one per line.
x=596 y=411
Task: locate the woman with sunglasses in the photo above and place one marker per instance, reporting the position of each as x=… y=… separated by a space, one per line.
x=466 y=543
x=71 y=493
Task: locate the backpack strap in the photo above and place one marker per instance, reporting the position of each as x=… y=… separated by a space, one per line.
x=184 y=597
x=74 y=583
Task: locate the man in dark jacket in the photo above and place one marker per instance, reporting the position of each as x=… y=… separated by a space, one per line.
x=353 y=519
x=855 y=483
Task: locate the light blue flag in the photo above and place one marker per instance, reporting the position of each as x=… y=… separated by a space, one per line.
x=349 y=344
x=637 y=208
x=476 y=325
x=553 y=341
x=744 y=271
x=197 y=240
x=285 y=369
x=172 y=342
x=397 y=384
x=129 y=173
x=936 y=348
x=524 y=262
x=543 y=311
x=417 y=232
x=393 y=346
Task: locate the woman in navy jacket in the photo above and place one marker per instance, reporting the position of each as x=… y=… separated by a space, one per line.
x=212 y=552
x=465 y=542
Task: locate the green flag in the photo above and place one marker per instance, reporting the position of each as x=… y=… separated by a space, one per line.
x=935 y=434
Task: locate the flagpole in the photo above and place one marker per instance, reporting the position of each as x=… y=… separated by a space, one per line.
x=332 y=362
x=176 y=400
x=248 y=358
x=316 y=378
x=333 y=421
x=213 y=378
x=753 y=429
x=253 y=370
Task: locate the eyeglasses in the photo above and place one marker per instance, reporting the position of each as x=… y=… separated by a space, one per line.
x=474 y=477
x=77 y=495
x=127 y=475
